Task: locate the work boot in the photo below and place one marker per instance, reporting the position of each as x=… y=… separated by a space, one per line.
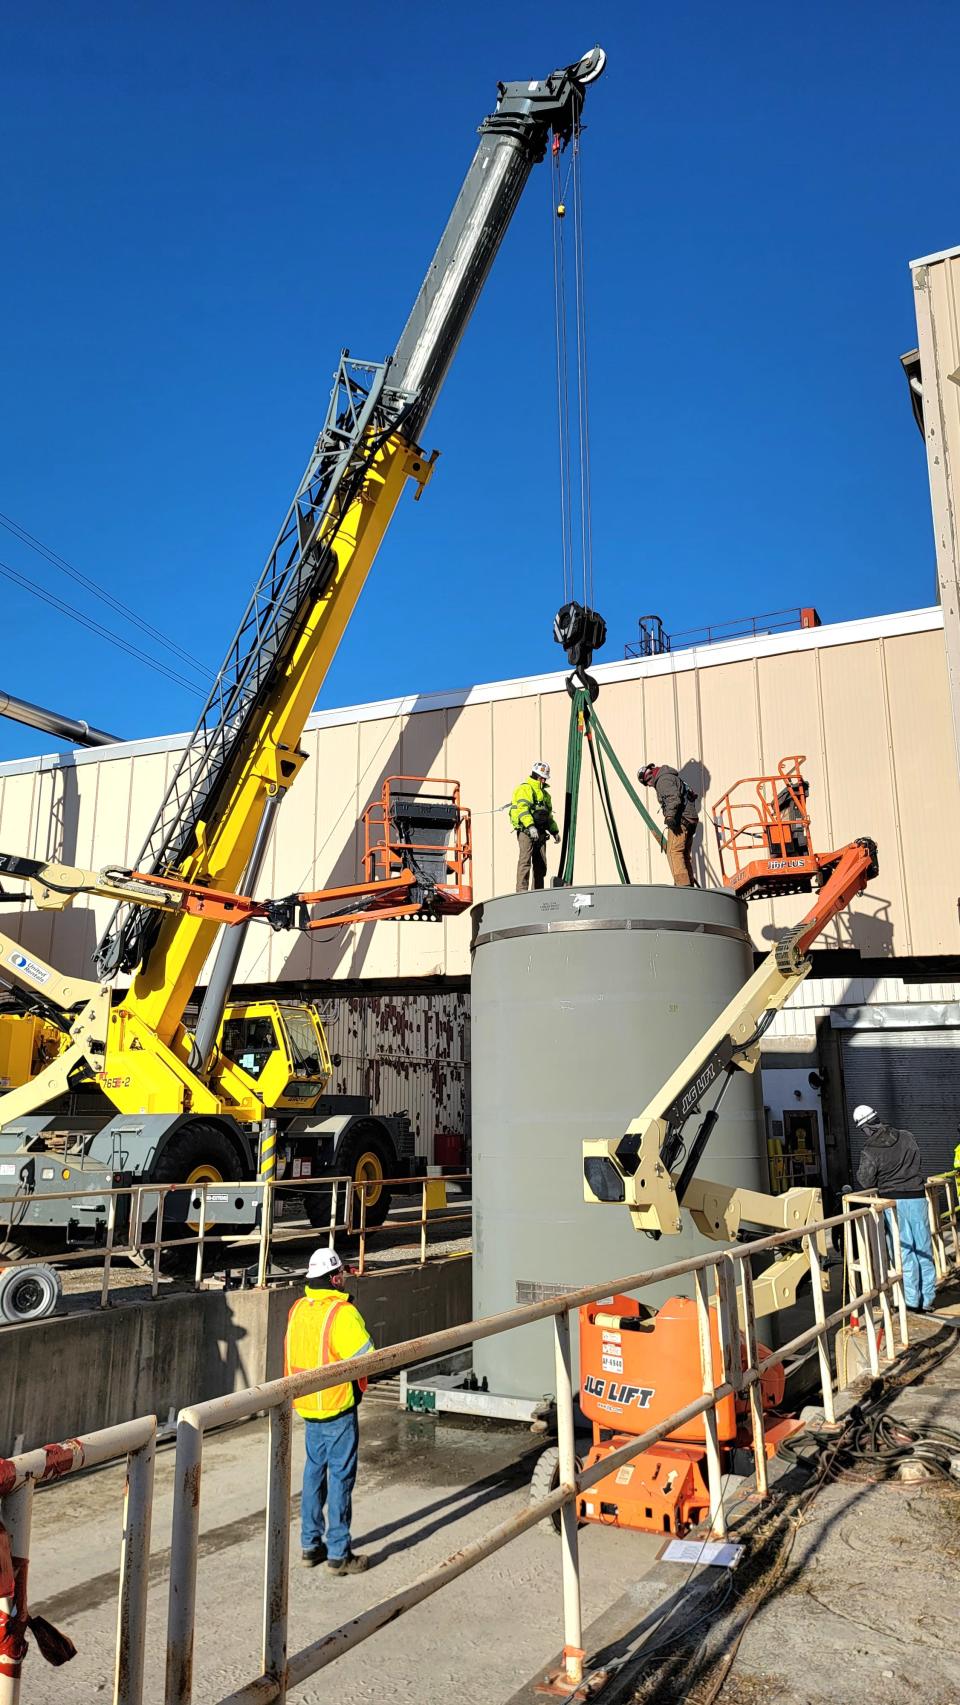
x=310 y=1559
x=352 y=1565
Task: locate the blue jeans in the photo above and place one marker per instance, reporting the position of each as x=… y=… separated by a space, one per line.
x=329 y=1475
x=916 y=1248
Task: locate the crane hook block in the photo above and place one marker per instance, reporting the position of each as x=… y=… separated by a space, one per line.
x=581 y=632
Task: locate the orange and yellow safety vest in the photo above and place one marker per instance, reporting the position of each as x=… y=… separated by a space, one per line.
x=323 y=1327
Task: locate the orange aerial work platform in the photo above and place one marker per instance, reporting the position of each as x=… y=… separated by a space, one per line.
x=766 y=843
x=637 y=1367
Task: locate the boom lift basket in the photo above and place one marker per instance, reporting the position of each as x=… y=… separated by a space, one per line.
x=763 y=834
x=418 y=824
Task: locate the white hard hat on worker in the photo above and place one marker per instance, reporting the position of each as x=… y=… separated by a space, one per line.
x=541 y=770
x=324 y=1264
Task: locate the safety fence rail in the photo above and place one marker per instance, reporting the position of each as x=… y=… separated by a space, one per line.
x=731 y=1363
x=19 y=1476
x=335 y=1207
x=723 y=1280
x=943 y=1212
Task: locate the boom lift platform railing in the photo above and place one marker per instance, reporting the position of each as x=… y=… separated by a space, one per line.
x=419 y=824
x=404 y=874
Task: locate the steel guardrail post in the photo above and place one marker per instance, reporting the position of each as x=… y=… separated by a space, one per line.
x=877 y=1232
x=362 y=1261
x=863 y=1299
x=753 y=1369
x=718 y=1520
x=134 y=1574
x=157 y=1243
x=184 y=1539
x=936 y=1235
x=573 y=1653
x=108 y=1251
x=729 y=1322
x=331 y=1237
x=17 y=1510
x=276 y=1585
x=823 y=1348
x=898 y=1291
x=267 y=1187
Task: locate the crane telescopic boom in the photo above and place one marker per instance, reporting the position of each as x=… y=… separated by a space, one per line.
x=213 y=823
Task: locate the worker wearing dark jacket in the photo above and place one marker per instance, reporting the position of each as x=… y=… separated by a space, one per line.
x=531 y=813
x=890 y=1164
x=679 y=806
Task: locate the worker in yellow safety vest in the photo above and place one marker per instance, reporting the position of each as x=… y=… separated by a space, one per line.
x=531 y=814
x=324 y=1327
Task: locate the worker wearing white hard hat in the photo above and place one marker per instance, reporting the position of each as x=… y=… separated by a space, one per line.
x=890 y=1163
x=325 y=1327
x=531 y=815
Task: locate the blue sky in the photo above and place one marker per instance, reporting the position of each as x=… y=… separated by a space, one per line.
x=202 y=204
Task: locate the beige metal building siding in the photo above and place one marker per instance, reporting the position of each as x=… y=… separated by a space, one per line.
x=867 y=702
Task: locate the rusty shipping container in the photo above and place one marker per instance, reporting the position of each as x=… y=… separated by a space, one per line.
x=409 y=1052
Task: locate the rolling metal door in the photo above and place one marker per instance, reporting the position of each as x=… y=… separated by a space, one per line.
x=912 y=1078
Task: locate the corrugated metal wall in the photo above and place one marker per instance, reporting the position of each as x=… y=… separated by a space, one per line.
x=866 y=702
x=912 y=1077
x=409 y=1052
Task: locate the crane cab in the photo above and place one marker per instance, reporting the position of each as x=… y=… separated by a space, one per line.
x=282 y=1047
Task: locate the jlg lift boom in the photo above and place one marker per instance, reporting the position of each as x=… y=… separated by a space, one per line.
x=766 y=849
x=169 y=1084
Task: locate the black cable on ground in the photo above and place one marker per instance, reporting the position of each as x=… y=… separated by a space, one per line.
x=868 y=1436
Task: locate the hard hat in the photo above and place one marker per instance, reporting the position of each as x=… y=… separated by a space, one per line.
x=864 y=1115
x=323 y=1264
x=647 y=774
x=541 y=769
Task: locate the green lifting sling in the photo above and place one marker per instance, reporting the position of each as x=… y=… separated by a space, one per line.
x=585 y=727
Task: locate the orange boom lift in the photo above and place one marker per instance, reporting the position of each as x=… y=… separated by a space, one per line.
x=639 y=1365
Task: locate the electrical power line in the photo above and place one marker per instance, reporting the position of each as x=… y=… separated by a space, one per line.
x=98 y=591
x=95 y=627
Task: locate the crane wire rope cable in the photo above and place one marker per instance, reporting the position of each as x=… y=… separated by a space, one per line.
x=580 y=524
x=555 y=190
x=33 y=543
x=583 y=392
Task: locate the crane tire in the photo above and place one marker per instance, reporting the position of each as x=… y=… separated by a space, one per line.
x=544 y=1480
x=28 y=1293
x=367 y=1154
x=198 y=1147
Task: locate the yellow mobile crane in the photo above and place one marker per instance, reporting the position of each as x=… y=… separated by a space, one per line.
x=186 y=1104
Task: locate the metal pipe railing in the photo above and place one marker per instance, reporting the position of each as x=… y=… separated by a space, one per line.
x=732 y=1363
x=148 y=1200
x=19 y=1475
x=741 y=1370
